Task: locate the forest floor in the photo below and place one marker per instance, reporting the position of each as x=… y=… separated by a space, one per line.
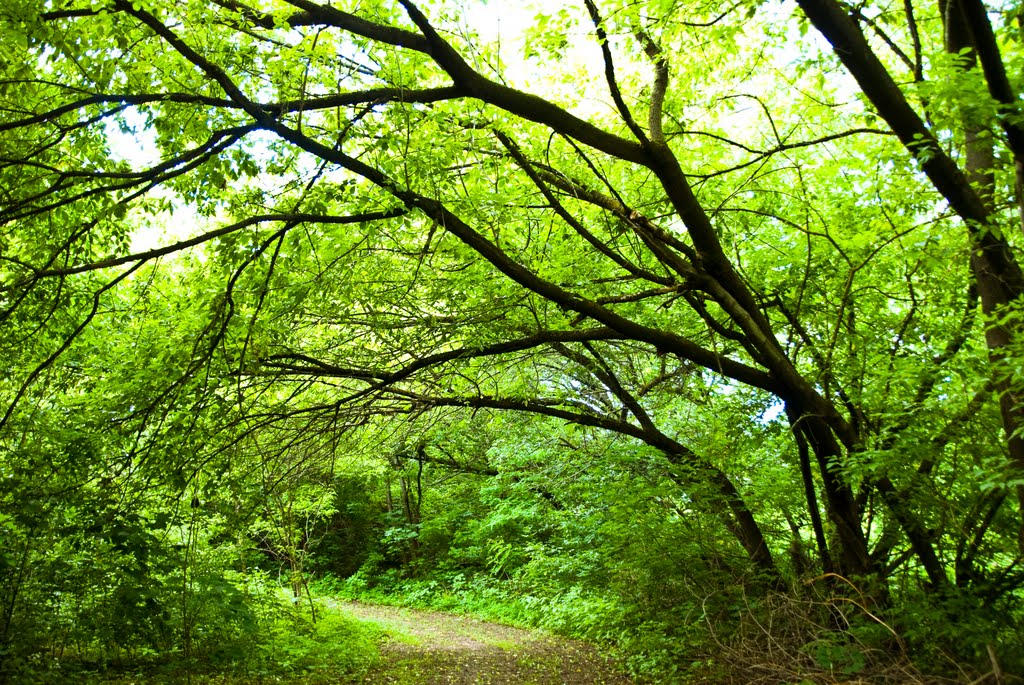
x=432 y=648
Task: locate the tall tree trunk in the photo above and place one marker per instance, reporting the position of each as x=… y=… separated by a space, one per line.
x=995 y=287
x=852 y=558
x=810 y=492
x=993 y=264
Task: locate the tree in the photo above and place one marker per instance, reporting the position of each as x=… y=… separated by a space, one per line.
x=689 y=207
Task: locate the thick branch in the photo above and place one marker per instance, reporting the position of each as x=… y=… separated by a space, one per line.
x=315 y=367
x=522 y=104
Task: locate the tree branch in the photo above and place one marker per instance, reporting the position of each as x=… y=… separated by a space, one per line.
x=609 y=72
x=156 y=253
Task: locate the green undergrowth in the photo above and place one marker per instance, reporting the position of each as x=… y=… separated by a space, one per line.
x=337 y=648
x=286 y=644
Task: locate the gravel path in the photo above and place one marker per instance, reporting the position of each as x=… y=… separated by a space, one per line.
x=432 y=648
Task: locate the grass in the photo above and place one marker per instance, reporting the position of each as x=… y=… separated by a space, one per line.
x=288 y=650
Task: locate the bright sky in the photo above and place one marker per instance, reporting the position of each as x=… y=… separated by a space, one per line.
x=503 y=23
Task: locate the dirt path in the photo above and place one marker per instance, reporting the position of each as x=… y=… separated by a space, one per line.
x=431 y=648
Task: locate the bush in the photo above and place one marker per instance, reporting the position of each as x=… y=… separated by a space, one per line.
x=336 y=648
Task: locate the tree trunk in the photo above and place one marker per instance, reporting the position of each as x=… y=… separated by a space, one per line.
x=996 y=287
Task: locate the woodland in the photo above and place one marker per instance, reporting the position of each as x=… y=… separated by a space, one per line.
x=692 y=329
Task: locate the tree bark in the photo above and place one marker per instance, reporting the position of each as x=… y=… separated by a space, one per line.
x=995 y=288
x=993 y=263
